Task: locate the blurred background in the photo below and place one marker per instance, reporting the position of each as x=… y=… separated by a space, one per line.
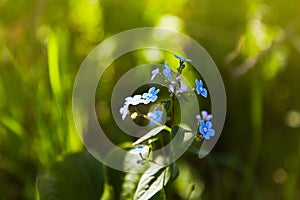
x=255 y=44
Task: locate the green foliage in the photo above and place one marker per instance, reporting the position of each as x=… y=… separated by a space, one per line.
x=42 y=44
x=150 y=134
x=77 y=176
x=129 y=186
x=159 y=196
x=152 y=181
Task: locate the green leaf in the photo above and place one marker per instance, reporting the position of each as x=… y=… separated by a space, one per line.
x=131 y=180
x=130 y=183
x=175 y=172
x=77 y=176
x=124 y=184
x=150 y=134
x=159 y=196
x=152 y=181
x=115 y=177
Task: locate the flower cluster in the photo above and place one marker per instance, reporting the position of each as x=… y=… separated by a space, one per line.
x=180 y=85
x=176 y=86
x=146 y=98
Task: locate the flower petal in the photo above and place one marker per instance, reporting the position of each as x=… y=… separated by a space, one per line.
x=211 y=132
x=154 y=98
x=204 y=92
x=208 y=124
x=200 y=83
x=206 y=137
x=157 y=91
x=151 y=90
x=204 y=114
x=202 y=123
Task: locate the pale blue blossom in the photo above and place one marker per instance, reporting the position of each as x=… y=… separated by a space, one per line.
x=151 y=96
x=167 y=71
x=206 y=129
x=200 y=89
x=154 y=73
x=141 y=149
x=155 y=115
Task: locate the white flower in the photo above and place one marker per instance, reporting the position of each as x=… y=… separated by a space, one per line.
x=141 y=149
x=124 y=111
x=135 y=100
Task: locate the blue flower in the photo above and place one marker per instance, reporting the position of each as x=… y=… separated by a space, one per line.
x=154 y=73
x=205 y=116
x=182 y=60
x=167 y=71
x=141 y=149
x=200 y=89
x=156 y=115
x=206 y=129
x=151 y=96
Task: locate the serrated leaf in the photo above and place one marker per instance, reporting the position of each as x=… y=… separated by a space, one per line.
x=150 y=134
x=77 y=176
x=152 y=181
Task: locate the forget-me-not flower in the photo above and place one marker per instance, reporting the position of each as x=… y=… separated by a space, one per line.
x=146 y=98
x=141 y=149
x=154 y=73
x=206 y=129
x=167 y=71
x=156 y=115
x=151 y=96
x=205 y=116
x=200 y=89
x=181 y=86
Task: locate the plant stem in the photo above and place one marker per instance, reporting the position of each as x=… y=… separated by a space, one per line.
x=157 y=123
x=173 y=107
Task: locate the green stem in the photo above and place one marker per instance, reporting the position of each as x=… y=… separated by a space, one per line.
x=157 y=123
x=173 y=108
